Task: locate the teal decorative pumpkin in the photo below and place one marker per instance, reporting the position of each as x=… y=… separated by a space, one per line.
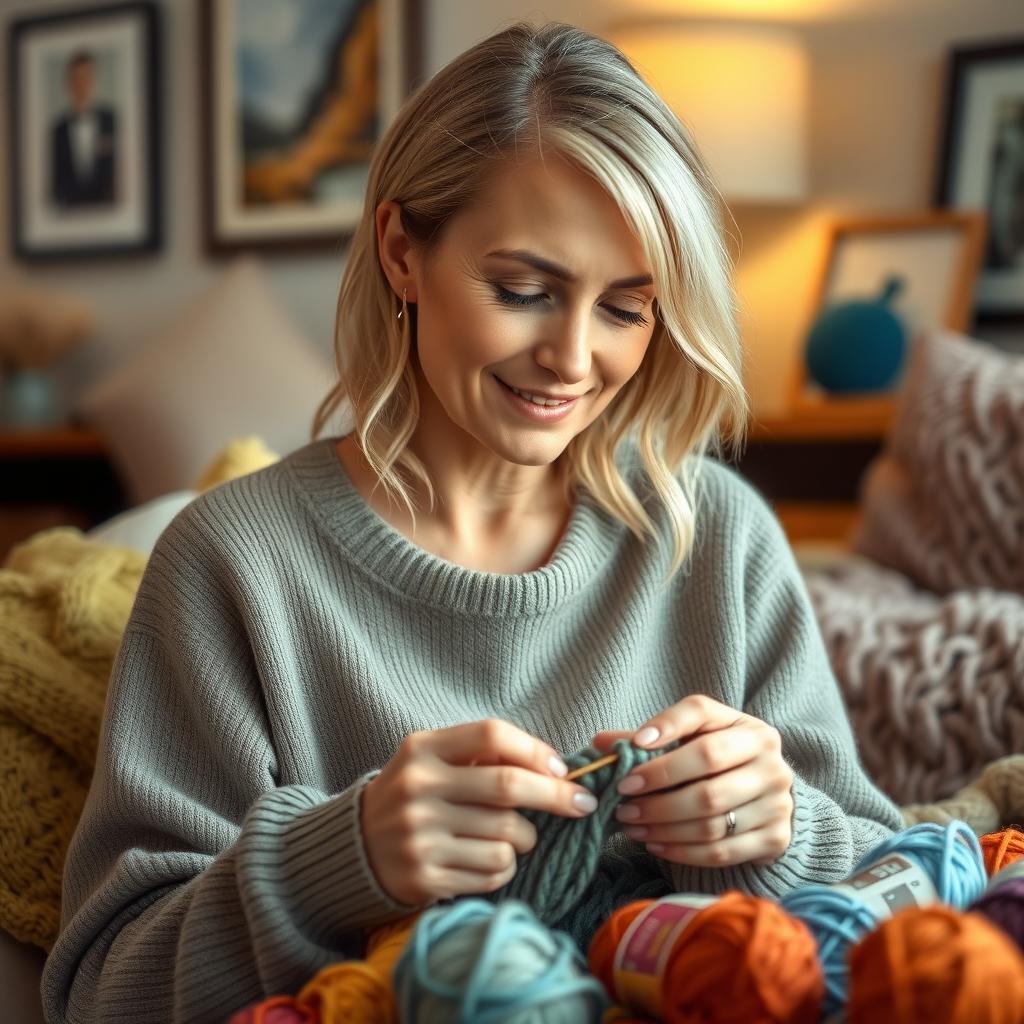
x=858 y=346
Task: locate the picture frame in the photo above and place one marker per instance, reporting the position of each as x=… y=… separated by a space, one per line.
x=981 y=166
x=937 y=253
x=85 y=132
x=293 y=98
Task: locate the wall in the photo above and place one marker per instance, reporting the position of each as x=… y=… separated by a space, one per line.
x=876 y=77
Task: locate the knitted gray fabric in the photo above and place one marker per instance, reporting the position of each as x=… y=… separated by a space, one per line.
x=934 y=684
x=285 y=639
x=944 y=502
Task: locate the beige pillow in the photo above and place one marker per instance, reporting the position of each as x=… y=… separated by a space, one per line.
x=944 y=502
x=232 y=365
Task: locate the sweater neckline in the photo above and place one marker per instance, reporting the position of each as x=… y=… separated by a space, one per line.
x=376 y=547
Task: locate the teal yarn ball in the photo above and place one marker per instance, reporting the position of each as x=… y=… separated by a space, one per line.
x=857 y=346
x=473 y=962
x=949 y=854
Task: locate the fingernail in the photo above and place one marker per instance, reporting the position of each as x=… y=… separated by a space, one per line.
x=631 y=784
x=585 y=801
x=645 y=736
x=558 y=766
x=656 y=847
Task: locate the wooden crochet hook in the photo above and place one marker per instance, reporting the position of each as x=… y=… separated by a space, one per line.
x=592 y=767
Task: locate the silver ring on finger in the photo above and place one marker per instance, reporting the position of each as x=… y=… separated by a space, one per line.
x=730 y=822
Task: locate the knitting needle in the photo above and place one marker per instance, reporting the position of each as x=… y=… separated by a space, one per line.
x=592 y=767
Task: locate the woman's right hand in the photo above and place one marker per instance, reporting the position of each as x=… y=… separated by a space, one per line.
x=440 y=819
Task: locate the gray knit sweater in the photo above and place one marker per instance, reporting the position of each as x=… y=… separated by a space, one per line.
x=284 y=640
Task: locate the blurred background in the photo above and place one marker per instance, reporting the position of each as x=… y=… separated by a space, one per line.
x=171 y=260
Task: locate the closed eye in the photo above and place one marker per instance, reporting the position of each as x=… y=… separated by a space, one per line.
x=519 y=299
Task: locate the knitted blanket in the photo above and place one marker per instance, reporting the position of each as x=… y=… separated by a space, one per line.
x=934 y=684
x=64 y=604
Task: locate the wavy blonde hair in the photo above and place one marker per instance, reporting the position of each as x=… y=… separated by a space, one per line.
x=556 y=87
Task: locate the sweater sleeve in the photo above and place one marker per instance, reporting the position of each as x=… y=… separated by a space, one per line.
x=839 y=814
x=194 y=884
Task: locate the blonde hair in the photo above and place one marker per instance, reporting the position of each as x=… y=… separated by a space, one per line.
x=556 y=87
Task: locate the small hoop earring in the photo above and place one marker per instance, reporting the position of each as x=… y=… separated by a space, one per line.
x=402 y=310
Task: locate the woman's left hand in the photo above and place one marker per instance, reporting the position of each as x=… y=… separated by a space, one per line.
x=728 y=768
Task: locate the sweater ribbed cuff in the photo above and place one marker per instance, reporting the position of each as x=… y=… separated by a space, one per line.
x=330 y=880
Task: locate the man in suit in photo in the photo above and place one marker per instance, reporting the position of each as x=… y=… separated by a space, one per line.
x=84 y=141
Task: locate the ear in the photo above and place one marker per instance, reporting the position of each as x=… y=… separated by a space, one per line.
x=397 y=256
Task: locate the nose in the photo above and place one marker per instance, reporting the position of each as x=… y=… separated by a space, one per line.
x=566 y=350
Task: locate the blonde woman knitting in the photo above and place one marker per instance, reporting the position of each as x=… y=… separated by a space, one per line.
x=346 y=674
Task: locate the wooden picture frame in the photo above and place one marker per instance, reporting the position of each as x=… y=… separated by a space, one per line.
x=980 y=165
x=85 y=132
x=290 y=111
x=939 y=253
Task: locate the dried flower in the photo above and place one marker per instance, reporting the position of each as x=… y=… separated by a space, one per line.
x=38 y=327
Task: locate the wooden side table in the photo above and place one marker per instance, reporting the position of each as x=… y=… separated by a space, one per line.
x=809 y=464
x=54 y=476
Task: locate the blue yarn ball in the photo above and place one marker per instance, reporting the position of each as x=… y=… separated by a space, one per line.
x=950 y=855
x=474 y=962
x=858 y=346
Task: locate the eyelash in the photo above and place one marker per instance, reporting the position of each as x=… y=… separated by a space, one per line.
x=518 y=299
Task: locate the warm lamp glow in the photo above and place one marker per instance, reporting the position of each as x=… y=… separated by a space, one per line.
x=741 y=90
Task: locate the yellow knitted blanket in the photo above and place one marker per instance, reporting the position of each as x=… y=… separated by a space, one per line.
x=64 y=604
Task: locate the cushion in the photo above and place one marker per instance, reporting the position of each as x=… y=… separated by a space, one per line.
x=944 y=501
x=232 y=364
x=140 y=527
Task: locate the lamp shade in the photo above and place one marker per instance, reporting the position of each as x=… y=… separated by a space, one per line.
x=741 y=90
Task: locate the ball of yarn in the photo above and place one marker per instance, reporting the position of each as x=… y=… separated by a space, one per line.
x=477 y=963
x=276 y=1010
x=1002 y=848
x=936 y=964
x=1003 y=905
x=740 y=958
x=361 y=991
x=1015 y=869
x=949 y=855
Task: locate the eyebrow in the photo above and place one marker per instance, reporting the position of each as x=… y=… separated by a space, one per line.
x=555 y=270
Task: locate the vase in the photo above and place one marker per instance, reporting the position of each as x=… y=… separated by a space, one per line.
x=858 y=346
x=28 y=399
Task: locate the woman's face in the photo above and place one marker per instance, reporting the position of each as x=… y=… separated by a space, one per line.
x=539 y=285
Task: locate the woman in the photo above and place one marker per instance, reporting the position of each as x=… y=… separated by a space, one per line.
x=345 y=675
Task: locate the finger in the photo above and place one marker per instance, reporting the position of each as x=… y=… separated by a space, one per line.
x=493 y=741
x=604 y=740
x=763 y=845
x=509 y=786
x=750 y=816
x=699 y=757
x=695 y=713
x=697 y=800
x=480 y=822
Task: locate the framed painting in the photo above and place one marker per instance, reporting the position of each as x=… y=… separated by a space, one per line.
x=294 y=97
x=981 y=166
x=923 y=266
x=84 y=123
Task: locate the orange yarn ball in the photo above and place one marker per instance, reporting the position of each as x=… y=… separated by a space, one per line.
x=1002 y=848
x=601 y=955
x=936 y=964
x=742 y=958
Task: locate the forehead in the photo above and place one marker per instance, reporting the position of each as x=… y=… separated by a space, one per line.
x=553 y=206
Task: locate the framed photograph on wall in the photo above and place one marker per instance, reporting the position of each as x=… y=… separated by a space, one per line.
x=84 y=132
x=923 y=266
x=294 y=97
x=981 y=165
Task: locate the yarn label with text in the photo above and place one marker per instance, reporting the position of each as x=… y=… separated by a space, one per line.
x=643 y=951
x=890 y=884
